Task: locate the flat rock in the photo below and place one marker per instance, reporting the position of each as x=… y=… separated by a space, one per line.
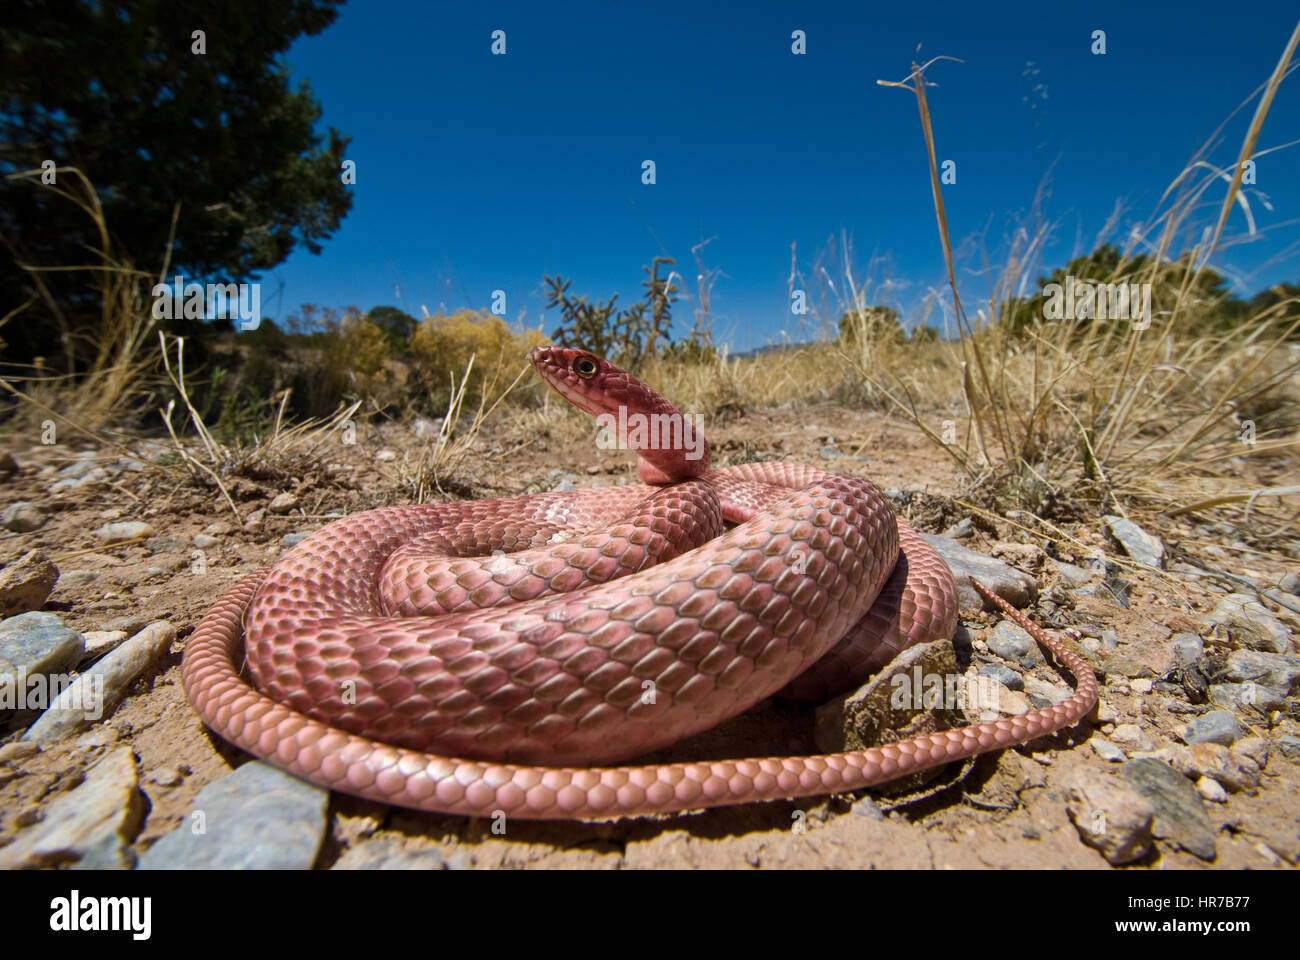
x=111 y=533
x=1217 y=726
x=1245 y=621
x=1003 y=675
x=1072 y=577
x=1011 y=642
x=35 y=643
x=1248 y=695
x=1106 y=750
x=255 y=818
x=93 y=695
x=1180 y=816
x=1017 y=588
x=23 y=517
x=1138 y=658
x=26 y=583
x=1111 y=815
x=282 y=503
x=1268 y=668
x=105 y=806
x=910 y=696
x=1147 y=549
x=100 y=642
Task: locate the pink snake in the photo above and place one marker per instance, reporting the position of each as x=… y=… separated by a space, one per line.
x=393 y=655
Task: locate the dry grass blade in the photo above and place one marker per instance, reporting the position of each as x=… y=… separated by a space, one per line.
x=444 y=456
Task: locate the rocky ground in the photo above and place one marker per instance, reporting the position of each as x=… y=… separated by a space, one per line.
x=1191 y=760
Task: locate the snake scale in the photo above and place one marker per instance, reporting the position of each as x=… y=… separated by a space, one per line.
x=509 y=655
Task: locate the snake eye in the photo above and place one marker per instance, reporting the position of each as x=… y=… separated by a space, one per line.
x=585 y=367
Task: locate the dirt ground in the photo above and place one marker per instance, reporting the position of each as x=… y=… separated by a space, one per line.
x=1009 y=810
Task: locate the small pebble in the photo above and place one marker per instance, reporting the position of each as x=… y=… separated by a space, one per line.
x=1217 y=726
x=1211 y=790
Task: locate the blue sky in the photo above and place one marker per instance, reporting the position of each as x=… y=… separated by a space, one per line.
x=478 y=172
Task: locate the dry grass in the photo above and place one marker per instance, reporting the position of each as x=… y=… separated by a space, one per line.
x=114 y=385
x=285 y=452
x=1107 y=414
x=439 y=462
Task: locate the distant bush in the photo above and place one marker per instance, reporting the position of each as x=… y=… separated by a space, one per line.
x=442 y=346
x=871 y=324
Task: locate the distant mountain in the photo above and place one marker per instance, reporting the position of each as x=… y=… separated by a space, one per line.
x=770 y=348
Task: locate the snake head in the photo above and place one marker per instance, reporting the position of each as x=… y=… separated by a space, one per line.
x=670 y=445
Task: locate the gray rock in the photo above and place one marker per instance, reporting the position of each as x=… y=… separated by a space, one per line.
x=1245 y=621
x=1049 y=692
x=1107 y=750
x=960 y=530
x=1217 y=726
x=385 y=854
x=36 y=643
x=1180 y=815
x=1003 y=675
x=107 y=804
x=26 y=583
x=1072 y=577
x=78 y=578
x=205 y=542
x=1289 y=746
x=283 y=503
x=122 y=532
x=256 y=818
x=1114 y=590
x=1290 y=584
x=1012 y=643
x=1251 y=694
x=80 y=468
x=1269 y=668
x=130 y=624
x=100 y=642
x=166 y=544
x=110 y=852
x=1111 y=815
x=1147 y=549
x=868 y=808
x=23 y=517
x=1187 y=648
x=1017 y=588
x=94 y=694
x=830 y=453
x=293 y=539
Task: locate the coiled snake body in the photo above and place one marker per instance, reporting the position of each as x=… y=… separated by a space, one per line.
x=500 y=655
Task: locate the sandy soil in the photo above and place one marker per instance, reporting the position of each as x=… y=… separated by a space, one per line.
x=1008 y=810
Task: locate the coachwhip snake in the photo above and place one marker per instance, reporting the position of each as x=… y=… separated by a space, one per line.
x=491 y=656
